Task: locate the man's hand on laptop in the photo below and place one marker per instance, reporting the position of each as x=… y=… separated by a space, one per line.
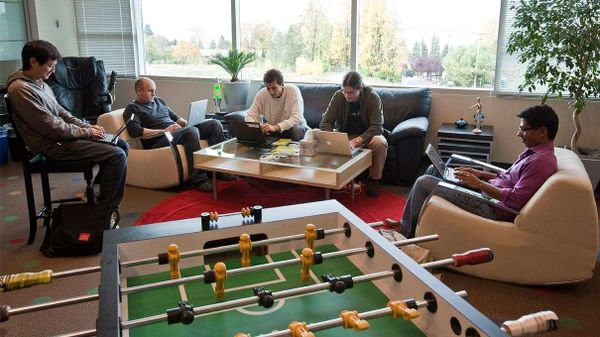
x=468 y=178
x=478 y=173
x=356 y=142
x=97 y=131
x=173 y=127
x=268 y=128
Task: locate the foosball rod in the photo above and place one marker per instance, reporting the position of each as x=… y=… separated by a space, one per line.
x=336 y=322
x=266 y=266
x=233 y=247
x=24 y=280
x=471 y=257
x=6 y=311
x=17 y=281
x=535 y=323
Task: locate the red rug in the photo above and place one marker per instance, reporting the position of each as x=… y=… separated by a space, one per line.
x=233 y=195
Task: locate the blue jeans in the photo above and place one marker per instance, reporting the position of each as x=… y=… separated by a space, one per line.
x=426 y=186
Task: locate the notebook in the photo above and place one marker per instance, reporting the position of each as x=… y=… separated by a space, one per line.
x=112 y=139
x=446 y=172
x=333 y=143
x=249 y=133
x=197 y=112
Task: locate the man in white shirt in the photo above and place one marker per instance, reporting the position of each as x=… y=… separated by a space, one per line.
x=282 y=107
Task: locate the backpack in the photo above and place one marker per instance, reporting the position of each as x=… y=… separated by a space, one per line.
x=76 y=229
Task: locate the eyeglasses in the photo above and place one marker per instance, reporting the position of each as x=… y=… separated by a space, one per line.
x=522 y=129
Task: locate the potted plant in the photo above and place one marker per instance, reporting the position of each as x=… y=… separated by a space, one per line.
x=558 y=41
x=235 y=92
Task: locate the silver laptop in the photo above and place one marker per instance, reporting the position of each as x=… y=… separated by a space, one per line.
x=333 y=143
x=446 y=172
x=197 y=113
x=112 y=139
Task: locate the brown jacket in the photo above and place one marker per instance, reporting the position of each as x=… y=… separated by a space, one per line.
x=38 y=116
x=371 y=113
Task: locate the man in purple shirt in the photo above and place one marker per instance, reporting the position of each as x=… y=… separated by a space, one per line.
x=513 y=188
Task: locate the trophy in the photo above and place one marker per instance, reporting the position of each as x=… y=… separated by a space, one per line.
x=477 y=116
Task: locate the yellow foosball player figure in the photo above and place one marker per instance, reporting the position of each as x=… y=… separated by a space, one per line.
x=401 y=309
x=174 y=258
x=299 y=329
x=220 y=277
x=352 y=321
x=306 y=261
x=310 y=235
x=245 y=249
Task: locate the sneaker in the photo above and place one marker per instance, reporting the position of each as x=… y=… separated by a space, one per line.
x=115 y=217
x=372 y=188
x=205 y=186
x=226 y=177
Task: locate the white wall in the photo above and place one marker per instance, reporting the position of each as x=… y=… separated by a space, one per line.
x=48 y=13
x=447 y=106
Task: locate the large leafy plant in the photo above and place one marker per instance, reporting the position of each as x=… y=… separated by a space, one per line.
x=233 y=62
x=559 y=42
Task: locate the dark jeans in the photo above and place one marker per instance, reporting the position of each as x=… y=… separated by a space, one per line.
x=111 y=159
x=210 y=130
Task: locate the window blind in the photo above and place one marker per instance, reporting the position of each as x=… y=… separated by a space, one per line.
x=509 y=72
x=105 y=31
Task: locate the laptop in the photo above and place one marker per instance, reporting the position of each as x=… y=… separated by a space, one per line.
x=113 y=138
x=197 y=112
x=334 y=143
x=446 y=172
x=249 y=133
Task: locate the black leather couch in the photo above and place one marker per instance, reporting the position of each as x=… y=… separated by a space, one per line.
x=405 y=112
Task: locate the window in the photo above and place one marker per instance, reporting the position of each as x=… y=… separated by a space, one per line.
x=180 y=35
x=12 y=30
x=509 y=72
x=307 y=40
x=105 y=31
x=429 y=42
x=413 y=43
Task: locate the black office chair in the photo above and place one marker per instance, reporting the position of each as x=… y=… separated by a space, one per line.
x=80 y=86
x=37 y=163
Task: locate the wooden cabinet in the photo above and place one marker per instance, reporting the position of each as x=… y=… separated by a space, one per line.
x=465 y=142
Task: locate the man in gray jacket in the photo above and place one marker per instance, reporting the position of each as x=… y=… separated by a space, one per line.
x=357 y=110
x=47 y=128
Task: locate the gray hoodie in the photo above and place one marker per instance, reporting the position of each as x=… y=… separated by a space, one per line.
x=39 y=118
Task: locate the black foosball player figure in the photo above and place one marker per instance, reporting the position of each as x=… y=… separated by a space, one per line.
x=251 y=214
x=208 y=219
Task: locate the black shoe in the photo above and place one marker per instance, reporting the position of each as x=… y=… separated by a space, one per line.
x=205 y=186
x=372 y=188
x=226 y=176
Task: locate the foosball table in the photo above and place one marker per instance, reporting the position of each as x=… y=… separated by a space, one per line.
x=303 y=270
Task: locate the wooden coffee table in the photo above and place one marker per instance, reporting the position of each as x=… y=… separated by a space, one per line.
x=322 y=170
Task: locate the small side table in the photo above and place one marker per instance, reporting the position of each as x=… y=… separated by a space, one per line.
x=465 y=142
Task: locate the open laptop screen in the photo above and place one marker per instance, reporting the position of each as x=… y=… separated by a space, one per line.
x=249 y=133
x=436 y=160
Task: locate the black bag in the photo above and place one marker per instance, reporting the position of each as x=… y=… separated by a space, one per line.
x=76 y=229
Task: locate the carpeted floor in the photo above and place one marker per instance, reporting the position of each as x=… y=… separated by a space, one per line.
x=576 y=305
x=249 y=192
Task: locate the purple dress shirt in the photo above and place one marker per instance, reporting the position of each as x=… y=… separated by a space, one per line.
x=532 y=168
